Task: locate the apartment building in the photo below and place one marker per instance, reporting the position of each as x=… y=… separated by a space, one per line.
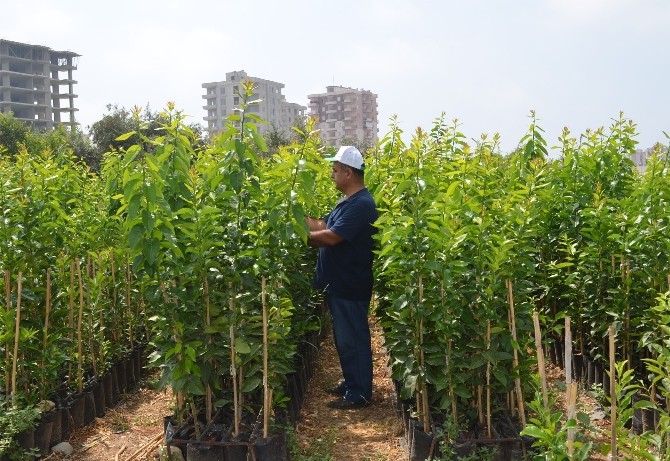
x=641 y=157
x=37 y=84
x=345 y=114
x=222 y=99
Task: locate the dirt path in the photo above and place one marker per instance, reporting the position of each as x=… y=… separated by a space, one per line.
x=371 y=433
x=323 y=434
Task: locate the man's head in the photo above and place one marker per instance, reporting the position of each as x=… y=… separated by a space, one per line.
x=349 y=156
x=348 y=167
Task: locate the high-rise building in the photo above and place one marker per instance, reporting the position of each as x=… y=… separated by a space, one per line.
x=345 y=114
x=36 y=84
x=223 y=98
x=641 y=157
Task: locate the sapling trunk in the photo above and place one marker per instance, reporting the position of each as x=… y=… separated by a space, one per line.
x=208 y=322
x=8 y=359
x=45 y=333
x=80 y=341
x=613 y=392
x=17 y=333
x=488 y=380
x=568 y=383
x=266 y=388
x=115 y=294
x=422 y=364
x=233 y=372
x=71 y=317
x=540 y=359
x=517 y=380
x=91 y=346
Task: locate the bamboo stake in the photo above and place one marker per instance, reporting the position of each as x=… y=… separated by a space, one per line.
x=71 y=318
x=572 y=405
x=208 y=322
x=233 y=372
x=17 y=332
x=540 y=359
x=266 y=389
x=8 y=302
x=488 y=380
x=91 y=346
x=422 y=363
x=480 y=405
x=613 y=392
x=45 y=333
x=568 y=384
x=517 y=380
x=80 y=346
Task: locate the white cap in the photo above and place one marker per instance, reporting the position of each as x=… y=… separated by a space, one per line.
x=350 y=156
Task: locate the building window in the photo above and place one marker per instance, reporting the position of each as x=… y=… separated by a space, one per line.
x=236 y=100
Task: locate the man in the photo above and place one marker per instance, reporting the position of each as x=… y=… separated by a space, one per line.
x=344 y=272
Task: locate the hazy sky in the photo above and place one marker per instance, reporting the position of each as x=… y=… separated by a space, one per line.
x=577 y=63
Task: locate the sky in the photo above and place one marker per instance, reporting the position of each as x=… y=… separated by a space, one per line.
x=486 y=63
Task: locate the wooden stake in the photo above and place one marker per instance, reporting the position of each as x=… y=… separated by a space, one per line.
x=422 y=363
x=488 y=380
x=8 y=307
x=208 y=322
x=80 y=341
x=572 y=405
x=517 y=380
x=568 y=384
x=233 y=371
x=17 y=333
x=71 y=318
x=266 y=388
x=45 y=333
x=613 y=413
x=540 y=359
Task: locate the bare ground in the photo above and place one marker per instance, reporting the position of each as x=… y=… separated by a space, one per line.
x=134 y=428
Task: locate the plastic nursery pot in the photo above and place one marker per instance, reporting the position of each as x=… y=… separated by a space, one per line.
x=578 y=367
x=89 y=408
x=273 y=448
x=108 y=386
x=77 y=410
x=99 y=398
x=422 y=444
x=42 y=433
x=209 y=447
x=57 y=428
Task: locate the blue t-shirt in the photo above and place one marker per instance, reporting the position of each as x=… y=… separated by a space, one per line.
x=345 y=270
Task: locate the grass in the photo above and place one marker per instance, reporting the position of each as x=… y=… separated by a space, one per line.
x=319 y=449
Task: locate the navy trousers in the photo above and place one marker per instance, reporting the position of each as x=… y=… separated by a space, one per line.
x=352 y=340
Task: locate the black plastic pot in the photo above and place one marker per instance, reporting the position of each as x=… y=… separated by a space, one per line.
x=26 y=439
x=116 y=391
x=131 y=380
x=273 y=448
x=121 y=376
x=578 y=367
x=89 y=408
x=211 y=450
x=236 y=448
x=77 y=410
x=422 y=445
x=108 y=386
x=137 y=361
x=42 y=433
x=57 y=428
x=99 y=398
x=636 y=421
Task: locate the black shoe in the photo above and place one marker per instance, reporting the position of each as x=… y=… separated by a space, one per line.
x=346 y=404
x=338 y=390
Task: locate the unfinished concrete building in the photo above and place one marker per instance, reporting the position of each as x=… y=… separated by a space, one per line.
x=37 y=85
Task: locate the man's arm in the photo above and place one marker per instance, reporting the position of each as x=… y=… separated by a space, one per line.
x=323 y=238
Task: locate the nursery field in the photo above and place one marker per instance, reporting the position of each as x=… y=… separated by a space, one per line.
x=191 y=259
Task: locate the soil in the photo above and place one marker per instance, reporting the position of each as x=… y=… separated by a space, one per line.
x=133 y=430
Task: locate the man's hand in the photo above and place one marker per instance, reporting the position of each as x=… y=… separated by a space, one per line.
x=315 y=224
